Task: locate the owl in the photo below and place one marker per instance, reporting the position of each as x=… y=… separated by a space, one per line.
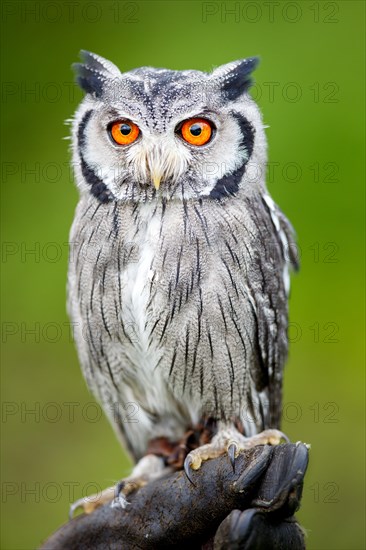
x=179 y=262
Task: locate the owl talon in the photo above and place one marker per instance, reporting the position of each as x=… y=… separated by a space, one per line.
x=232 y=453
x=187 y=468
x=119 y=488
x=124 y=488
x=75 y=506
x=120 y=500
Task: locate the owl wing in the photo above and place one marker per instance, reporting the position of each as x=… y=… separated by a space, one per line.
x=273 y=254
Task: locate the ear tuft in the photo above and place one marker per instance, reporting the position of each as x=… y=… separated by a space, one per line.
x=93 y=73
x=235 y=78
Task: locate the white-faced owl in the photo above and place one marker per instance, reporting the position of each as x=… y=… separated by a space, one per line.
x=178 y=275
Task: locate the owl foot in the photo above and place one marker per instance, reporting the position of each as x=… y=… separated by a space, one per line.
x=148 y=468
x=91 y=503
x=229 y=441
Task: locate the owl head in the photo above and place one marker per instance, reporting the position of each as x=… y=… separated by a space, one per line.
x=152 y=134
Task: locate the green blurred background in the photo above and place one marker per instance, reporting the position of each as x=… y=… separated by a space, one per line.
x=310 y=86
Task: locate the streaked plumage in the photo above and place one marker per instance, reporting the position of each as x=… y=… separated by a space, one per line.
x=178 y=295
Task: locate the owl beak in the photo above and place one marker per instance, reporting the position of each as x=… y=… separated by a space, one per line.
x=156 y=180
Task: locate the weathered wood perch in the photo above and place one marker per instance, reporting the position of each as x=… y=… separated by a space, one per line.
x=251 y=508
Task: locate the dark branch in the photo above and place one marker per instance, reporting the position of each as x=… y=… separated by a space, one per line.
x=252 y=507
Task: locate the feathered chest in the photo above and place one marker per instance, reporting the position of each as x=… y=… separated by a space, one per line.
x=161 y=280
x=137 y=269
x=147 y=272
x=186 y=296
x=131 y=266
x=138 y=278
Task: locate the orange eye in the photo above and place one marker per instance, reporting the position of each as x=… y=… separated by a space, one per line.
x=196 y=131
x=124 y=132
